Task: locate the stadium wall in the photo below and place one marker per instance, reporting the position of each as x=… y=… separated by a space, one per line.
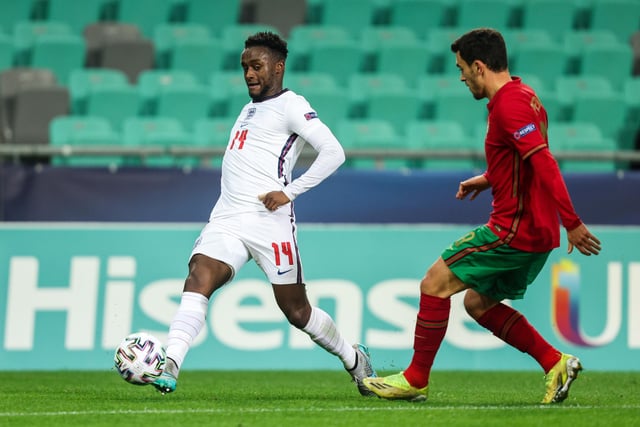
x=72 y=287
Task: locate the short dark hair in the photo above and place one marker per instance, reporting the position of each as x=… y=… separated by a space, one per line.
x=484 y=44
x=270 y=40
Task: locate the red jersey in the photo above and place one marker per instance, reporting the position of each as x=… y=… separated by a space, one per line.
x=528 y=190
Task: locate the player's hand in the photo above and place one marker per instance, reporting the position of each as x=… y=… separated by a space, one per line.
x=473 y=186
x=273 y=199
x=584 y=241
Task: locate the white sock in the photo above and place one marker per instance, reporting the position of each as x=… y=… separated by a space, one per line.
x=323 y=332
x=185 y=326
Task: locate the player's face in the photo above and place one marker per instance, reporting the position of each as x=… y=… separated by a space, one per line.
x=469 y=74
x=262 y=72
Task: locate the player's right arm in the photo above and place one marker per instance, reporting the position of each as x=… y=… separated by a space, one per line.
x=473 y=186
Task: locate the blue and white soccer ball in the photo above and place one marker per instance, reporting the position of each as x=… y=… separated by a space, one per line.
x=140 y=358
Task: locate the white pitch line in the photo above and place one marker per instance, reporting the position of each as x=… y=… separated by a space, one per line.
x=416 y=407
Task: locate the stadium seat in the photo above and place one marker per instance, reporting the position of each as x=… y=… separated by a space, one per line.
x=484 y=13
x=162 y=132
x=233 y=38
x=210 y=132
x=545 y=60
x=151 y=83
x=635 y=46
x=417 y=15
x=632 y=97
x=576 y=41
x=84 y=130
x=166 y=36
x=61 y=53
x=385 y=97
x=229 y=93
x=619 y=16
x=76 y=14
x=592 y=99
x=396 y=50
x=362 y=134
x=443 y=135
x=556 y=17
x=614 y=62
x=145 y=14
x=83 y=80
x=439 y=44
x=340 y=59
x=29 y=99
x=216 y=15
x=514 y=38
x=120 y=46
x=304 y=37
x=329 y=100
x=270 y=12
x=581 y=136
x=26 y=33
x=187 y=104
x=352 y=15
x=14 y=12
x=6 y=52
x=447 y=98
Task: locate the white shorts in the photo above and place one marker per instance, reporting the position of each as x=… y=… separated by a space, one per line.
x=270 y=238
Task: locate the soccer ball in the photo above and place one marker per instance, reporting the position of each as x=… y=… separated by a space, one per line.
x=140 y=358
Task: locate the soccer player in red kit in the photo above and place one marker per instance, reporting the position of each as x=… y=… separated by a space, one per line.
x=497 y=261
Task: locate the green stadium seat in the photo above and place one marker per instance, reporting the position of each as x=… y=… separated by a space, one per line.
x=341 y=59
x=362 y=134
x=330 y=101
x=187 y=104
x=632 y=97
x=86 y=131
x=547 y=61
x=352 y=15
x=396 y=50
x=61 y=53
x=83 y=81
x=614 y=62
x=162 y=132
x=385 y=97
x=592 y=99
x=212 y=132
x=576 y=41
x=167 y=35
x=114 y=103
x=443 y=135
x=233 y=38
x=26 y=33
x=229 y=93
x=620 y=16
x=439 y=44
x=303 y=38
x=417 y=15
x=484 y=13
x=14 y=12
x=216 y=15
x=557 y=17
x=76 y=14
x=581 y=136
x=447 y=98
x=151 y=82
x=6 y=52
x=145 y=14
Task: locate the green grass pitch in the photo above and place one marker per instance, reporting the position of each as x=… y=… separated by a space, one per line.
x=301 y=398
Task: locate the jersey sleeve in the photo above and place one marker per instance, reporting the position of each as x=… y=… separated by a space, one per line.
x=304 y=121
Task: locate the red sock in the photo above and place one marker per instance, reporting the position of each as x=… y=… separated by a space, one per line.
x=513 y=328
x=431 y=326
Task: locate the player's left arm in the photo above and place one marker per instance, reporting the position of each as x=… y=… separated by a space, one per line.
x=551 y=179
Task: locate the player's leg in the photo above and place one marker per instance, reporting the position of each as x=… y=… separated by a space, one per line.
x=315 y=322
x=431 y=326
x=214 y=259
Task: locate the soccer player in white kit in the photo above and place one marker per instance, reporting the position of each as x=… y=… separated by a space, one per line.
x=254 y=216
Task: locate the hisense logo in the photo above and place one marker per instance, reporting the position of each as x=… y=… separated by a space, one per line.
x=566 y=314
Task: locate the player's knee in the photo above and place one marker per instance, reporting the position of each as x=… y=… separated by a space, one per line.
x=297 y=316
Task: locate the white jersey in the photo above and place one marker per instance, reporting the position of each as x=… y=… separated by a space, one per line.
x=264 y=144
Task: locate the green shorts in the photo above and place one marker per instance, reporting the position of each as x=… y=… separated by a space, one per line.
x=491 y=267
